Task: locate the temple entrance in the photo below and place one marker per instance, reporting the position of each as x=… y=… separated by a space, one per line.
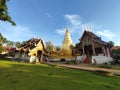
x=39 y=54
x=88 y=53
x=88 y=50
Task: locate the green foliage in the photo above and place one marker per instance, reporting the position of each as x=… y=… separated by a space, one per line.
x=49 y=46
x=17 y=44
x=58 y=48
x=23 y=43
x=4 y=12
x=2 y=39
x=101 y=72
x=110 y=44
x=1 y=48
x=76 y=45
x=10 y=43
x=116 y=54
x=23 y=76
x=105 y=66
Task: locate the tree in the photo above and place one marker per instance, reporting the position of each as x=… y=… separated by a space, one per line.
x=4 y=12
x=76 y=45
x=17 y=44
x=49 y=45
x=1 y=48
x=3 y=40
x=110 y=44
x=58 y=48
x=23 y=43
x=10 y=43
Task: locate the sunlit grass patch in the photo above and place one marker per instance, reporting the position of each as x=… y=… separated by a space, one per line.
x=25 y=76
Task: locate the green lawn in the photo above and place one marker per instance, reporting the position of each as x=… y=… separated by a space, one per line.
x=24 y=76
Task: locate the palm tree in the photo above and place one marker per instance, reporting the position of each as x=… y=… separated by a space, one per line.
x=17 y=44
x=10 y=43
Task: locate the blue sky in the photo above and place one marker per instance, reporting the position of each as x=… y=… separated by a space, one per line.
x=47 y=19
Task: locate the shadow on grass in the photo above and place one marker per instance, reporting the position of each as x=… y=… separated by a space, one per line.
x=31 y=69
x=5 y=59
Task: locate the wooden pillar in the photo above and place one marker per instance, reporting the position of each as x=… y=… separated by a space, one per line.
x=93 y=47
x=83 y=47
x=41 y=58
x=108 y=52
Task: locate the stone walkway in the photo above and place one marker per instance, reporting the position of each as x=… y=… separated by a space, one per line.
x=87 y=68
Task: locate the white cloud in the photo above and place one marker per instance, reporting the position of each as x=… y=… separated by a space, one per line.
x=16 y=33
x=106 y=33
x=48 y=15
x=73 y=19
x=74 y=24
x=61 y=31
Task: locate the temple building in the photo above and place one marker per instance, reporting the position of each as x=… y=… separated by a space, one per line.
x=30 y=48
x=67 y=44
x=92 y=48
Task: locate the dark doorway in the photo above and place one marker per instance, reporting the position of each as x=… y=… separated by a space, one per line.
x=39 y=53
x=88 y=50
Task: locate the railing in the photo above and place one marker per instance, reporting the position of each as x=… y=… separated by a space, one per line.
x=80 y=59
x=101 y=59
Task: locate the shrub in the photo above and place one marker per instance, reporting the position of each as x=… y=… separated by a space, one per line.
x=105 y=73
x=105 y=66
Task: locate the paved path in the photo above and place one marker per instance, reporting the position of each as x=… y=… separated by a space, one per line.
x=87 y=68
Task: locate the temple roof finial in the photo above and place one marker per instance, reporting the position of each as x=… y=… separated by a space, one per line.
x=67 y=26
x=85 y=28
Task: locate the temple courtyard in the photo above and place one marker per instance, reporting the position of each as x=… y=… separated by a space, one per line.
x=26 y=76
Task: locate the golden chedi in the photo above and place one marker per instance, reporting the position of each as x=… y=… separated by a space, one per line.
x=67 y=44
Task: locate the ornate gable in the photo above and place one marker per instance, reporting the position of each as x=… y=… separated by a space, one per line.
x=88 y=36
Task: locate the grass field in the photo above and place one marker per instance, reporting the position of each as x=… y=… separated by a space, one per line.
x=24 y=76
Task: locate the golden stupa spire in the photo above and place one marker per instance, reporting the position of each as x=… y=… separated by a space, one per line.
x=67 y=42
x=67 y=27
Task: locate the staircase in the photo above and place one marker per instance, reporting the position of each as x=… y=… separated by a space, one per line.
x=87 y=59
